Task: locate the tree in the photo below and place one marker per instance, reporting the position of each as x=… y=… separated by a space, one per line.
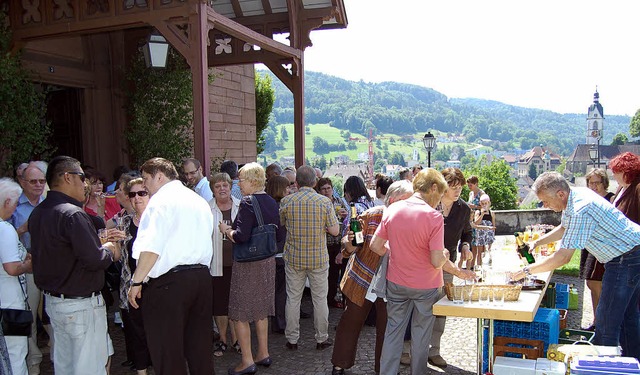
x=25 y=134
x=265 y=97
x=320 y=146
x=283 y=134
x=619 y=139
x=634 y=126
x=533 y=171
x=397 y=158
x=158 y=129
x=497 y=182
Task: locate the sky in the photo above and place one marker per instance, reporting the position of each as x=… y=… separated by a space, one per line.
x=547 y=54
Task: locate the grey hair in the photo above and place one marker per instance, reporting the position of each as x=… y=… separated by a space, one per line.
x=398 y=189
x=550 y=182
x=306 y=176
x=9 y=189
x=41 y=165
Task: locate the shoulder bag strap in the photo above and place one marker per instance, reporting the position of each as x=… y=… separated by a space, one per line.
x=256 y=210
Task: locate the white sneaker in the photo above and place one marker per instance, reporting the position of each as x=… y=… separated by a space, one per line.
x=117 y=319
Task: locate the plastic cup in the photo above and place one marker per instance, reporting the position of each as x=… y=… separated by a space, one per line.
x=498 y=297
x=458 y=295
x=484 y=296
x=102 y=234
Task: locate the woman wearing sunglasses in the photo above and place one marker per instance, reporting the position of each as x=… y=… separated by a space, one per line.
x=134 y=335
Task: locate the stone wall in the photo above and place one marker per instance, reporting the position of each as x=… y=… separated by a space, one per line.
x=232 y=117
x=509 y=221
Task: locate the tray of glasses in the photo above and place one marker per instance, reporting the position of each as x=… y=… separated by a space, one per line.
x=511 y=292
x=530 y=284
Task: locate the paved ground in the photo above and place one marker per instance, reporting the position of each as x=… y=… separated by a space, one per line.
x=458 y=347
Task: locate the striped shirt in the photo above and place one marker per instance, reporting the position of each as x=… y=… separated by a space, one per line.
x=593 y=223
x=306 y=214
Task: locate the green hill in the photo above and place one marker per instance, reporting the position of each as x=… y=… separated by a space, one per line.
x=394 y=110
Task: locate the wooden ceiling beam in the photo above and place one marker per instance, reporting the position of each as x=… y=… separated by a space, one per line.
x=237 y=9
x=266 y=5
x=107 y=23
x=226 y=25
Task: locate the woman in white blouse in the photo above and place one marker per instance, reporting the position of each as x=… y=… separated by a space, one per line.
x=15 y=263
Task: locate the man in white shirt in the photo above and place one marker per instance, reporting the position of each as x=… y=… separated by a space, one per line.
x=196 y=180
x=174 y=250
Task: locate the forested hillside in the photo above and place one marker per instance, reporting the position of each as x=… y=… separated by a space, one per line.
x=403 y=109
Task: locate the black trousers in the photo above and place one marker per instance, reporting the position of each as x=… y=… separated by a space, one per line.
x=134 y=338
x=176 y=308
x=279 y=322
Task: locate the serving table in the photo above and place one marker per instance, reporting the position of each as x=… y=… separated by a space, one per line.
x=522 y=310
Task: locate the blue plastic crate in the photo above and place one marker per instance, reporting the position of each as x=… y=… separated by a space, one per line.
x=545 y=327
x=562 y=296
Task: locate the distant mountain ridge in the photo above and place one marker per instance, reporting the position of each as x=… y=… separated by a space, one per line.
x=401 y=109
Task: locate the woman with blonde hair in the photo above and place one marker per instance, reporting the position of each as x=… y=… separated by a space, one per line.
x=252 y=283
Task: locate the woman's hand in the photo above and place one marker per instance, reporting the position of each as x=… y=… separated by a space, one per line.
x=223 y=227
x=342 y=213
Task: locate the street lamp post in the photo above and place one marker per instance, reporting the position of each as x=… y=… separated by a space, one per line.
x=594 y=155
x=429 y=144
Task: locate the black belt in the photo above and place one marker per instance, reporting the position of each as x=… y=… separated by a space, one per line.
x=184 y=267
x=69 y=296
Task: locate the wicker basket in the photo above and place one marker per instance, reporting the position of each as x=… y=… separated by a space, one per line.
x=511 y=292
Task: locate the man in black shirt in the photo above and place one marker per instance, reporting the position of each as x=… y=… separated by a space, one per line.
x=68 y=266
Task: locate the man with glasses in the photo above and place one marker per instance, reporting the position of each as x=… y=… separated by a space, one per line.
x=68 y=266
x=33 y=185
x=195 y=179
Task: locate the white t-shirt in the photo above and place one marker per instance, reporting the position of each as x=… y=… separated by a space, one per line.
x=177 y=225
x=11 y=295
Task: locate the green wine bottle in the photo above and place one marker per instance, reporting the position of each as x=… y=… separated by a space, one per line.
x=356 y=228
x=523 y=249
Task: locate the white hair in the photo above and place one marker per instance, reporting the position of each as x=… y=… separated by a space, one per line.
x=398 y=189
x=41 y=165
x=9 y=189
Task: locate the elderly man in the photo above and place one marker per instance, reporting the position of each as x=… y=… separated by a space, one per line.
x=195 y=179
x=273 y=169
x=173 y=249
x=68 y=266
x=590 y=222
x=308 y=216
x=33 y=182
x=290 y=174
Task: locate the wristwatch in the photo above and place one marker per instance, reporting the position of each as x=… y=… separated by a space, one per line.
x=133 y=283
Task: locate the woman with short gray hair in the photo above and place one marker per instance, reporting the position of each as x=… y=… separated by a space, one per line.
x=13 y=285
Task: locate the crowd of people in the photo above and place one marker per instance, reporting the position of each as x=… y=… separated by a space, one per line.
x=164 y=243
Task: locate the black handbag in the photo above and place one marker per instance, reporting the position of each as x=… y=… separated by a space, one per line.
x=262 y=244
x=17 y=322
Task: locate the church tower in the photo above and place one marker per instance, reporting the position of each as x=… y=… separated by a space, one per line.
x=595 y=120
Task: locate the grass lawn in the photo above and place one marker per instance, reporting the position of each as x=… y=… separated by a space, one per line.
x=573 y=267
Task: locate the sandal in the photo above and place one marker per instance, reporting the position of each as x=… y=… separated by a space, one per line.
x=236 y=346
x=221 y=347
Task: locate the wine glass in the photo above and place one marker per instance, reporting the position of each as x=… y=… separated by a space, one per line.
x=224 y=235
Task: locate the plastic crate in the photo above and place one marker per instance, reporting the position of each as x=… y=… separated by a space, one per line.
x=545 y=327
x=562 y=296
x=573 y=298
x=569 y=336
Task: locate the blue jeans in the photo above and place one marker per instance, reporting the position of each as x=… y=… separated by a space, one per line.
x=618 y=312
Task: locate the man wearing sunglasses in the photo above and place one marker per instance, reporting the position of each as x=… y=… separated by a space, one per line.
x=33 y=184
x=68 y=266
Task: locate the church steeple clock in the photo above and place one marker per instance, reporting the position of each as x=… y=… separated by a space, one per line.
x=595 y=120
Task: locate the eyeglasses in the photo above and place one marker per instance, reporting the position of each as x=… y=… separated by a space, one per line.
x=594 y=183
x=141 y=193
x=79 y=174
x=37 y=181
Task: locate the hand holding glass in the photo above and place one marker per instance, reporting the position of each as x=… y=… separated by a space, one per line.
x=226 y=223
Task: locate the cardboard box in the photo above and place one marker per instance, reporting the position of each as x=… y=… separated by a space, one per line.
x=514 y=366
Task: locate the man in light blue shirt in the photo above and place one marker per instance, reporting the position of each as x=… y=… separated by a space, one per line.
x=196 y=180
x=590 y=222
